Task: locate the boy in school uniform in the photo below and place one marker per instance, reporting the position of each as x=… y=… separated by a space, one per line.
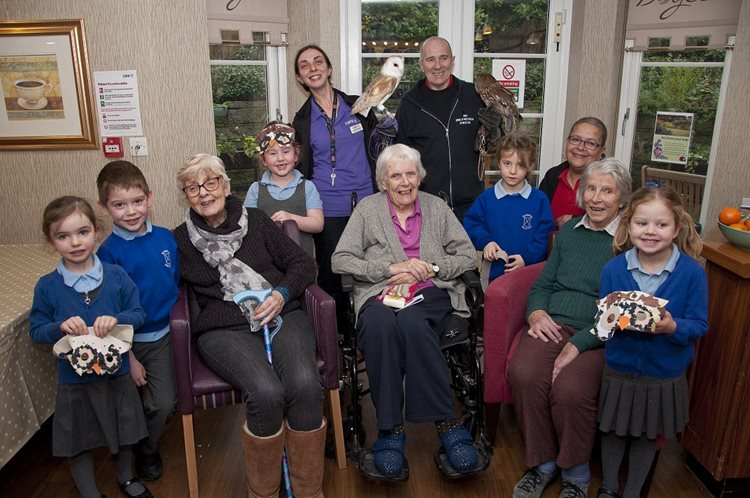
x=149 y=255
x=510 y=222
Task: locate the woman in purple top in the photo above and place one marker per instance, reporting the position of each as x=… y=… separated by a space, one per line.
x=334 y=157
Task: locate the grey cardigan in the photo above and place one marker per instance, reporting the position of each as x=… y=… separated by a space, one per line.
x=369 y=245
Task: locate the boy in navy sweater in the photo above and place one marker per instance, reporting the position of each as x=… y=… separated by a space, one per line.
x=149 y=255
x=509 y=222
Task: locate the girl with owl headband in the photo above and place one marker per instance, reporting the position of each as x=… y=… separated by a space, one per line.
x=83 y=293
x=644 y=390
x=277 y=193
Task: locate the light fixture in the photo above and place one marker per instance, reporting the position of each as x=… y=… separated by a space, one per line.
x=534 y=38
x=478 y=36
x=487 y=29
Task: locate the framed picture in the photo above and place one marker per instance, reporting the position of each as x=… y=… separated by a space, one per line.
x=44 y=72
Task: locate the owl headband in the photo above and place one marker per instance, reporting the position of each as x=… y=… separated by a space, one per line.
x=274 y=134
x=89 y=354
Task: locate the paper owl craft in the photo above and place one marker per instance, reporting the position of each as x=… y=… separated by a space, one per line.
x=91 y=354
x=632 y=310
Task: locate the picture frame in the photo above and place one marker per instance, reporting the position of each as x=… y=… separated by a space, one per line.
x=47 y=100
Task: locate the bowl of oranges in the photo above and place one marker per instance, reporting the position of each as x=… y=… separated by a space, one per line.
x=734 y=227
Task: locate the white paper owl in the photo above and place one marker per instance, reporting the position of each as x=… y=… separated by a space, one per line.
x=632 y=310
x=381 y=87
x=91 y=354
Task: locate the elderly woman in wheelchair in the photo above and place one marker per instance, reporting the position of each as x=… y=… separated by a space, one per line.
x=403 y=246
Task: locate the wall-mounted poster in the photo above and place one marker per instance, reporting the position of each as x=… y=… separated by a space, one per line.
x=672 y=133
x=46 y=86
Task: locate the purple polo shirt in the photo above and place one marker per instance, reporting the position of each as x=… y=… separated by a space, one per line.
x=410 y=237
x=352 y=169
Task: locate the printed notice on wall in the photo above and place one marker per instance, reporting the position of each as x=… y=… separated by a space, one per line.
x=511 y=74
x=672 y=133
x=117 y=103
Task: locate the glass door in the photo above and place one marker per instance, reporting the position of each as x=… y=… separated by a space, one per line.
x=659 y=83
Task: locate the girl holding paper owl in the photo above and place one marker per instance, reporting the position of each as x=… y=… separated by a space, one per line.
x=644 y=390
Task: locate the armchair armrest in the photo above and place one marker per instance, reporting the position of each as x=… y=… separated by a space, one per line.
x=179 y=330
x=504 y=317
x=321 y=311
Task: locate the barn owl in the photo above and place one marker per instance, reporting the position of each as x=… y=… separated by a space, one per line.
x=499 y=99
x=632 y=310
x=381 y=87
x=91 y=354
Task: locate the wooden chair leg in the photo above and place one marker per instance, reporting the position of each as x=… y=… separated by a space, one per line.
x=192 y=467
x=338 y=427
x=491 y=421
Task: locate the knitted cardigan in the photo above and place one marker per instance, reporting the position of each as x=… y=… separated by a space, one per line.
x=265 y=248
x=369 y=245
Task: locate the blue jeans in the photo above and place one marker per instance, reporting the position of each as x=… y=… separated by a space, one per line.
x=292 y=385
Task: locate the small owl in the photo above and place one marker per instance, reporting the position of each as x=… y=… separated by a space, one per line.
x=496 y=97
x=381 y=87
x=632 y=310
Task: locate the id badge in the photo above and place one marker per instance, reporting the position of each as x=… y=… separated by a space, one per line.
x=355 y=128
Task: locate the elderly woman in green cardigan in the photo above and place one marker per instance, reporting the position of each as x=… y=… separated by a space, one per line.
x=555 y=387
x=404 y=237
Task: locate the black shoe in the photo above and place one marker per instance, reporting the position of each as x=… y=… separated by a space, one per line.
x=148 y=467
x=125 y=485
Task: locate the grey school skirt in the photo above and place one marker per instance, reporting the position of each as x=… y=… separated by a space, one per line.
x=642 y=406
x=95 y=414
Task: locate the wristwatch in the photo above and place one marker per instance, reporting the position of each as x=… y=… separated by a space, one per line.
x=435 y=269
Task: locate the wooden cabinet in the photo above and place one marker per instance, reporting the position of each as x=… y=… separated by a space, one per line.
x=718 y=434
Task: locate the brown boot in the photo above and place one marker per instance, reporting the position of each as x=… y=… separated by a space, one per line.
x=262 y=463
x=305 y=454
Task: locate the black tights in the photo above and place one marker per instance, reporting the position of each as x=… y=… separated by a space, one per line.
x=640 y=457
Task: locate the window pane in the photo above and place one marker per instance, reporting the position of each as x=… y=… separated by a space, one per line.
x=510 y=26
x=396 y=26
x=533 y=128
x=229 y=51
x=240 y=110
x=412 y=73
x=676 y=89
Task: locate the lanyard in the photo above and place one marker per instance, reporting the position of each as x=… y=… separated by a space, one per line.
x=330 y=122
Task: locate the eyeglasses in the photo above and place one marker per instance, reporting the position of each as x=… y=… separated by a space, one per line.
x=210 y=185
x=587 y=144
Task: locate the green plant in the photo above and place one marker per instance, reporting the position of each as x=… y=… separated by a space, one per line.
x=226 y=146
x=248 y=145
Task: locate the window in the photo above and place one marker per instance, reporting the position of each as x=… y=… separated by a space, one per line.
x=510 y=29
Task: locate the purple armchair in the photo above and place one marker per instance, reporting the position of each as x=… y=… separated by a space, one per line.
x=199 y=388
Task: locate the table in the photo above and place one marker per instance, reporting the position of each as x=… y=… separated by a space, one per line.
x=28 y=380
x=717 y=434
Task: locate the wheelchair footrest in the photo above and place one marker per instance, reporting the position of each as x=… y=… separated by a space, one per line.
x=366 y=466
x=444 y=466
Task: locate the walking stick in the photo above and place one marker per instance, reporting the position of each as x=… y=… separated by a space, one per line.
x=241 y=299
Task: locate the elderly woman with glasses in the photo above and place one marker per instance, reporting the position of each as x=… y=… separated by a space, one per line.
x=411 y=239
x=226 y=248
x=584 y=145
x=555 y=374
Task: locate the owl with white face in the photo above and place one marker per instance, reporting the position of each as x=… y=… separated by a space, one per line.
x=631 y=310
x=381 y=87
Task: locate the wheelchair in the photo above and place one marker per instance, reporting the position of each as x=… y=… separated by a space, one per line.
x=461 y=343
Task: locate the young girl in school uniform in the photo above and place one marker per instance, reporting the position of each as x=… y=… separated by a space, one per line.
x=91 y=410
x=644 y=390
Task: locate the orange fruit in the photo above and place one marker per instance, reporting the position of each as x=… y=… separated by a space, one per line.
x=738 y=226
x=730 y=215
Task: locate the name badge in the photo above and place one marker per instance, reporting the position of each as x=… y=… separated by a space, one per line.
x=356 y=128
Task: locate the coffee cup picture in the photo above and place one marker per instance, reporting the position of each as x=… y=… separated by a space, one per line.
x=31 y=92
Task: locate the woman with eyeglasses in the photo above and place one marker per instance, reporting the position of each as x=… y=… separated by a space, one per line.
x=584 y=145
x=226 y=248
x=334 y=158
